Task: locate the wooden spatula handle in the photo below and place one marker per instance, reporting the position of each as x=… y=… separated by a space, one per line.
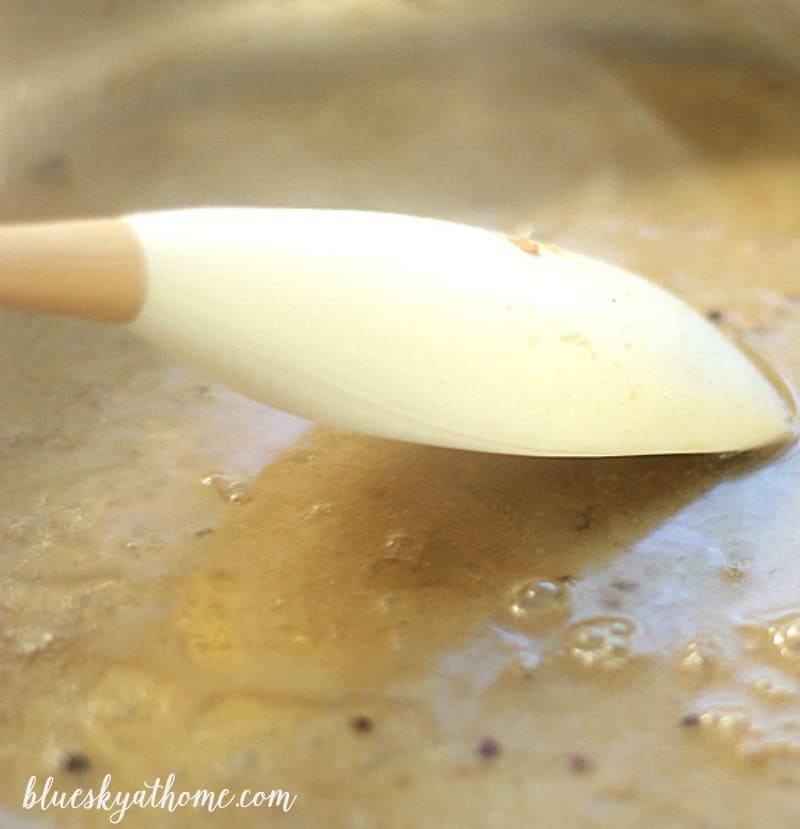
x=89 y=268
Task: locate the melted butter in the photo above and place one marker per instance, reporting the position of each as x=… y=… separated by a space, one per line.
x=192 y=584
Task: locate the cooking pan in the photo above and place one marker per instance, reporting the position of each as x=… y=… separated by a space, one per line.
x=193 y=584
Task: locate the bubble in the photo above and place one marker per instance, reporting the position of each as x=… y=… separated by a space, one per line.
x=774 y=690
x=703 y=658
x=728 y=726
x=398 y=541
x=539 y=600
x=141 y=543
x=234 y=492
x=602 y=642
x=400 y=558
x=785 y=638
x=399 y=546
x=778 y=639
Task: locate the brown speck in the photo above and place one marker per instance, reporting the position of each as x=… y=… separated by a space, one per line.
x=362 y=724
x=579 y=763
x=624 y=585
x=489 y=748
x=204 y=532
x=733 y=572
x=76 y=763
x=689 y=721
x=527 y=245
x=612 y=602
x=714 y=315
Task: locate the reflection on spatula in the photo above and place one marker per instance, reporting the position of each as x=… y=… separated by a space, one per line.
x=408 y=328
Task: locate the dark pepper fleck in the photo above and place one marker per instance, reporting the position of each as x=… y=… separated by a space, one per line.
x=489 y=748
x=76 y=763
x=362 y=724
x=579 y=763
x=624 y=585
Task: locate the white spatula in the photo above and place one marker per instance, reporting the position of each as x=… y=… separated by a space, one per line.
x=408 y=328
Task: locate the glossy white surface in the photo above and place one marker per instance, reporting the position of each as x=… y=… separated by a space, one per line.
x=445 y=334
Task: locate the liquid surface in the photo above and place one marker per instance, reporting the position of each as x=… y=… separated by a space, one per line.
x=408 y=636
